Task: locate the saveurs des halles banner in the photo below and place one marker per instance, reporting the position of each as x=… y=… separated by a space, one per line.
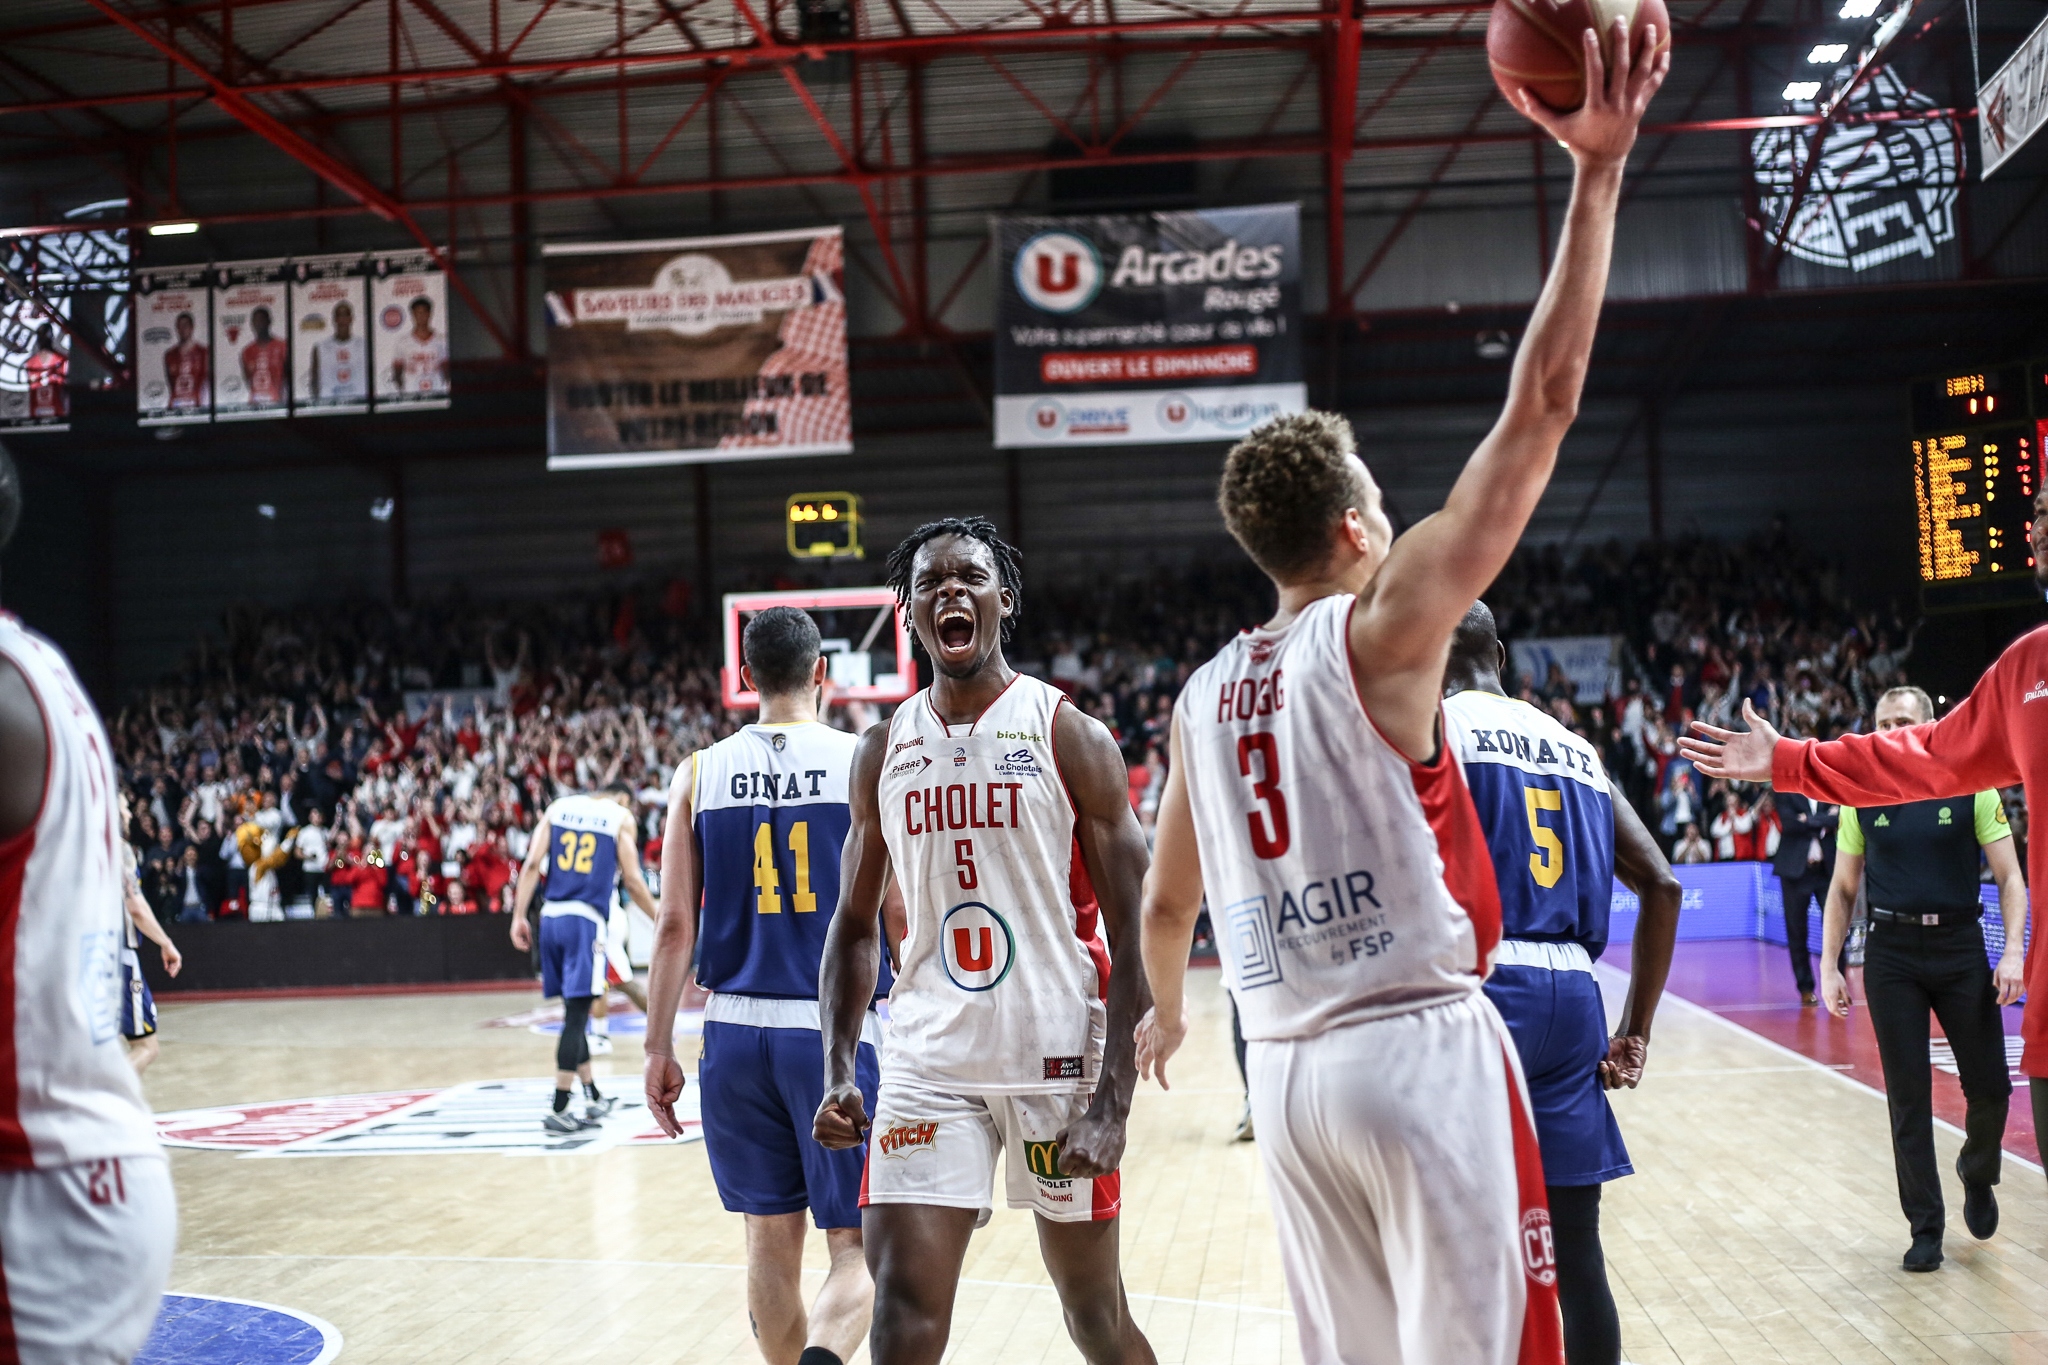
x=710 y=348
x=1147 y=327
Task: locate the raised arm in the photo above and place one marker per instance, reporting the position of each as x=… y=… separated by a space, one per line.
x=1172 y=904
x=1640 y=866
x=1113 y=848
x=1435 y=571
x=853 y=947
x=668 y=967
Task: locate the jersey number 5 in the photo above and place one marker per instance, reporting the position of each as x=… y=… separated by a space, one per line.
x=1270 y=835
x=1546 y=864
x=768 y=877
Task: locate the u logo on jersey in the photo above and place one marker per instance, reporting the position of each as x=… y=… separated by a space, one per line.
x=977 y=946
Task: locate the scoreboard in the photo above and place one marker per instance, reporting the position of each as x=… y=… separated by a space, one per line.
x=1977 y=440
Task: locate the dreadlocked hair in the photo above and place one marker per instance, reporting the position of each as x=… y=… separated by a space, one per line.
x=1009 y=560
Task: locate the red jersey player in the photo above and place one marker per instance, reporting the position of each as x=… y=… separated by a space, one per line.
x=46 y=368
x=87 y=1218
x=264 y=363
x=1314 y=799
x=185 y=367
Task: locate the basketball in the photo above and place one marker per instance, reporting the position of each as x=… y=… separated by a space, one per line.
x=1535 y=43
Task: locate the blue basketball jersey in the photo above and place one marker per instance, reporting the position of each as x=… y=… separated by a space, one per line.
x=1548 y=813
x=771 y=819
x=583 y=852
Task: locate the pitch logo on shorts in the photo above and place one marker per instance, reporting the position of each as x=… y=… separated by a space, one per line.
x=1539 y=1249
x=976 y=946
x=901 y=1139
x=1058 y=272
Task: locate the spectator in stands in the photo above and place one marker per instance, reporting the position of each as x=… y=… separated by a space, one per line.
x=1690 y=848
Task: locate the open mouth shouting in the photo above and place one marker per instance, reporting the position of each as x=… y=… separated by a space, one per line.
x=953 y=631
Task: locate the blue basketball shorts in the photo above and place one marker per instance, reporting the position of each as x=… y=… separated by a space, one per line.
x=761 y=1092
x=1560 y=1029
x=571 y=956
x=138 y=1006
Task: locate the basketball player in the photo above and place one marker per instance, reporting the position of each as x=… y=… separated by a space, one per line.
x=755 y=827
x=618 y=971
x=421 y=363
x=138 y=1006
x=1559 y=832
x=341 y=361
x=45 y=369
x=1005 y=816
x=264 y=362
x=584 y=846
x=185 y=367
x=87 y=1217
x=1313 y=798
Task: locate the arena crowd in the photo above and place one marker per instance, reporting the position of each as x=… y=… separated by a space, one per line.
x=366 y=759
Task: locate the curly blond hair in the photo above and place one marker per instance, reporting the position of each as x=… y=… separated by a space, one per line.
x=1285 y=485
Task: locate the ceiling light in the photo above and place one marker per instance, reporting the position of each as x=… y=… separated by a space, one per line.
x=1802 y=90
x=1859 y=9
x=172 y=229
x=1826 y=54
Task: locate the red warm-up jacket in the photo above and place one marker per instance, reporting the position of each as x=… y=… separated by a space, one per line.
x=1997 y=736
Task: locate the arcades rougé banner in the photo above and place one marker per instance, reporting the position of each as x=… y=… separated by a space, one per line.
x=1152 y=327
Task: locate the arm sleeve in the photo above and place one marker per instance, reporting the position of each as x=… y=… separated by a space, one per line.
x=1991 y=822
x=1964 y=752
x=1849 y=838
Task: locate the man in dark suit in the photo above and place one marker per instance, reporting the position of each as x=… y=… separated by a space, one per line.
x=1805 y=861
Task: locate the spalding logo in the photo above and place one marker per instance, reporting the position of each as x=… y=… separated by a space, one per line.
x=1539 y=1250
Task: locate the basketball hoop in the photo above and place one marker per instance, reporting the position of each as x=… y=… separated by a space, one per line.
x=855 y=673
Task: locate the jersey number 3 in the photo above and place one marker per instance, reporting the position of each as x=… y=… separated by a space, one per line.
x=768 y=877
x=1546 y=864
x=1270 y=835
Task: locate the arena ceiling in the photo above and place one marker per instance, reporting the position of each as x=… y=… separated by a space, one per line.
x=483 y=127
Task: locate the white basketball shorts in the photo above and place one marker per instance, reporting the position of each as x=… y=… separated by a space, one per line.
x=1408 y=1191
x=934 y=1148
x=84 y=1254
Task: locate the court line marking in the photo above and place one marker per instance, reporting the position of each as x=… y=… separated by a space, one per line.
x=1812 y=1064
x=330 y=1335
x=668 y=1265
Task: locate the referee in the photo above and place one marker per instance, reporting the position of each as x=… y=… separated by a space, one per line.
x=1926 y=951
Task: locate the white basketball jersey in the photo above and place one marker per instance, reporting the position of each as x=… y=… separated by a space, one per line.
x=1325 y=852
x=67 y=1092
x=1004 y=967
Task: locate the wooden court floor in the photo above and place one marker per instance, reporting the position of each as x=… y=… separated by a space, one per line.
x=1763 y=1225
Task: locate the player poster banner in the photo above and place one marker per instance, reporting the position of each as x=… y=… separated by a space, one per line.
x=330 y=343
x=252 y=358
x=173 y=321
x=1147 y=327
x=706 y=348
x=409 y=298
x=35 y=366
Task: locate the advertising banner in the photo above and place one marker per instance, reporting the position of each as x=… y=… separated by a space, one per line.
x=252 y=371
x=1147 y=327
x=173 y=324
x=330 y=340
x=1591 y=662
x=35 y=366
x=409 y=300
x=708 y=348
x=2014 y=102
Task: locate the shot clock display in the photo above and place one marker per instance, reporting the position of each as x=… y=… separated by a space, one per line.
x=1976 y=468
x=824 y=526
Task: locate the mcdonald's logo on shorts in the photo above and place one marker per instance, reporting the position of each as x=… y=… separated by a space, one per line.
x=1042 y=1159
